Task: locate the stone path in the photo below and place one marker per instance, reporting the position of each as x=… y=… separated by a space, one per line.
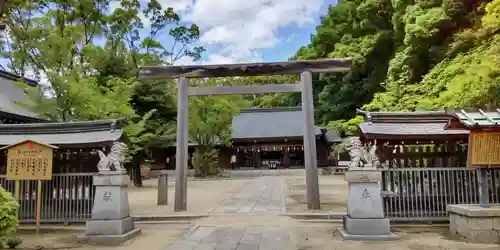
x=246 y=220
x=260 y=195
x=235 y=238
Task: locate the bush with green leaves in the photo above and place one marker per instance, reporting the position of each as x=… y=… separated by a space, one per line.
x=14 y=242
x=8 y=215
x=206 y=162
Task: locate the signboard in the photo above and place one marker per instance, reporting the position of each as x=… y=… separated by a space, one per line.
x=29 y=160
x=484 y=149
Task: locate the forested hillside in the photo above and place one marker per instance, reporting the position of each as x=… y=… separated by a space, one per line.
x=408 y=55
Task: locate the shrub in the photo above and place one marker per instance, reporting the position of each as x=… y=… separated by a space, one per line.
x=13 y=242
x=8 y=215
x=327 y=170
x=206 y=162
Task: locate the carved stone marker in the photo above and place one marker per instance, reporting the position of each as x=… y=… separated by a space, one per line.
x=111 y=222
x=365 y=215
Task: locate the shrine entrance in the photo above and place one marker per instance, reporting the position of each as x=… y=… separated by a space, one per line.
x=304 y=68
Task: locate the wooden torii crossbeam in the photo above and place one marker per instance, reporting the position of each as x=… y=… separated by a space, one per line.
x=303 y=67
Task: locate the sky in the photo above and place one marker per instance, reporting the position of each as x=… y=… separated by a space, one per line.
x=250 y=30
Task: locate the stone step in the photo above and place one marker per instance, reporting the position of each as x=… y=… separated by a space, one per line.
x=150 y=218
x=316 y=216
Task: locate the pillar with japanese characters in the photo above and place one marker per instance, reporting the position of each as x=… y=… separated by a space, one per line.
x=365 y=219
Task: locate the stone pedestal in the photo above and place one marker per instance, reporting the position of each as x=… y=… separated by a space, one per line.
x=365 y=215
x=111 y=222
x=475 y=223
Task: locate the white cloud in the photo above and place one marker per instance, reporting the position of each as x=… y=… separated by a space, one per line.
x=242 y=27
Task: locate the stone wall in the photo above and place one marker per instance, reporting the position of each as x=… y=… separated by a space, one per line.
x=476 y=229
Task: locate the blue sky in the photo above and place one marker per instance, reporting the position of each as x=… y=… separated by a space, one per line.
x=250 y=30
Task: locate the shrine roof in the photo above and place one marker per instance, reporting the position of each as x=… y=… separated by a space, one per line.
x=477 y=119
x=419 y=125
x=405 y=117
x=63 y=134
x=11 y=95
x=274 y=123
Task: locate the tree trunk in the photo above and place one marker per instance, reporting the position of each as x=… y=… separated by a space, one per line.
x=137 y=175
x=135 y=170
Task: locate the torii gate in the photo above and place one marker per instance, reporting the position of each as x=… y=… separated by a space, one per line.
x=304 y=67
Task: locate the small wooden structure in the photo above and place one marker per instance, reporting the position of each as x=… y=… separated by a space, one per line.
x=425 y=159
x=484 y=144
x=304 y=68
x=414 y=139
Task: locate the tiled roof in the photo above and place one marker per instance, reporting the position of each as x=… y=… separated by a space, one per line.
x=479 y=119
x=405 y=117
x=408 y=129
x=63 y=134
x=11 y=95
x=272 y=123
x=408 y=125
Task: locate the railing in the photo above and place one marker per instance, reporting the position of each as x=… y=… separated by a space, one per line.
x=424 y=193
x=66 y=198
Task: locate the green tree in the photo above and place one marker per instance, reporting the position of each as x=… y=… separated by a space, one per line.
x=210 y=119
x=89 y=53
x=407 y=55
x=360 y=29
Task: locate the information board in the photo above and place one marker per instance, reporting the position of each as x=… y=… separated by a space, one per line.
x=484 y=149
x=29 y=160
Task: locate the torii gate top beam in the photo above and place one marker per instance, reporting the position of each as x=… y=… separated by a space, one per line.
x=247 y=69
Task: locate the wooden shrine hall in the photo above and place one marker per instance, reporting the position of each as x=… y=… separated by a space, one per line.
x=273 y=138
x=264 y=138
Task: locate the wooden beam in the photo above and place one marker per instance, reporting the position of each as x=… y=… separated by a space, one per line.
x=247 y=69
x=244 y=89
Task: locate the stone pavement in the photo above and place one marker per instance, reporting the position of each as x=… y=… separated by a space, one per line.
x=261 y=195
x=239 y=238
x=234 y=224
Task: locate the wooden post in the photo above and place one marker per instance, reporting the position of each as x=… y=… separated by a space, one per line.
x=482 y=179
x=181 y=163
x=17 y=190
x=38 y=205
x=162 y=195
x=310 y=157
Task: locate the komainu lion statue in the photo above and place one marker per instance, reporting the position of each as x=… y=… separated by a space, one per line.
x=114 y=160
x=361 y=155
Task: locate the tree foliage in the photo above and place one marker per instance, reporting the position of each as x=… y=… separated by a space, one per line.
x=408 y=55
x=210 y=119
x=87 y=54
x=8 y=216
